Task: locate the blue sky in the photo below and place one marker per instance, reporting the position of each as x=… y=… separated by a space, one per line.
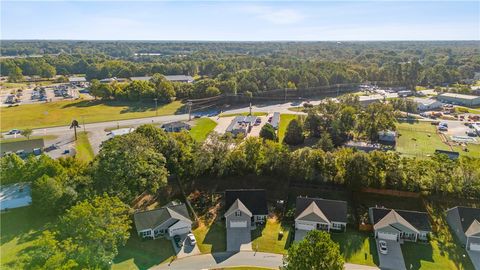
x=244 y=20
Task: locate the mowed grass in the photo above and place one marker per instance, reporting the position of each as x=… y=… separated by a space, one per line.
x=357 y=247
x=63 y=112
x=284 y=121
x=19 y=229
x=211 y=238
x=266 y=239
x=420 y=139
x=83 y=147
x=143 y=253
x=202 y=127
x=21 y=139
x=244 y=114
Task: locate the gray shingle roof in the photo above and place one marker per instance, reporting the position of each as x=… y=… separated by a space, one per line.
x=419 y=220
x=153 y=218
x=313 y=213
x=394 y=219
x=254 y=199
x=467 y=215
x=238 y=205
x=333 y=210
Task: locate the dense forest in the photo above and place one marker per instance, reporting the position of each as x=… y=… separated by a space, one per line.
x=248 y=67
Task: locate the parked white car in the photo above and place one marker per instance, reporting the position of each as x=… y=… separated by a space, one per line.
x=383 y=247
x=191 y=239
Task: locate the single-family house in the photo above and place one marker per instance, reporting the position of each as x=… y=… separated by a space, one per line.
x=320 y=214
x=465 y=223
x=399 y=225
x=170 y=220
x=176 y=126
x=387 y=137
x=245 y=207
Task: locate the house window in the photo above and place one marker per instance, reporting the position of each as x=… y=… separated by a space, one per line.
x=336 y=225
x=238 y=214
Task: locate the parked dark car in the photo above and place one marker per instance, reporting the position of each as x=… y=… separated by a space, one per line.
x=178 y=241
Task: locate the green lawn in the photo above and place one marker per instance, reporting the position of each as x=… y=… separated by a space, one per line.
x=143 y=253
x=284 y=121
x=244 y=114
x=83 y=147
x=201 y=128
x=19 y=228
x=357 y=247
x=420 y=139
x=63 y=112
x=211 y=238
x=20 y=138
x=266 y=239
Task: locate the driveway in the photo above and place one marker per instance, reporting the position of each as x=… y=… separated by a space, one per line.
x=186 y=249
x=475 y=258
x=239 y=239
x=393 y=260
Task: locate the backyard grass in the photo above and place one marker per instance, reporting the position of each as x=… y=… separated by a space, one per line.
x=211 y=238
x=202 y=127
x=266 y=239
x=357 y=247
x=83 y=147
x=284 y=121
x=19 y=229
x=244 y=114
x=63 y=112
x=420 y=139
x=143 y=253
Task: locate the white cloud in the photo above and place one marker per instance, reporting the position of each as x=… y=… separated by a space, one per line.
x=273 y=15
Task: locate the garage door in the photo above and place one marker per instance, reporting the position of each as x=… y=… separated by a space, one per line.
x=475 y=247
x=305 y=227
x=178 y=231
x=387 y=236
x=238 y=224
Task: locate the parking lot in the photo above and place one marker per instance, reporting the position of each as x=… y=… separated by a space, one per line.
x=40 y=94
x=393 y=260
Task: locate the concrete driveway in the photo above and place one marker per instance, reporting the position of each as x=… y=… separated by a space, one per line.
x=186 y=249
x=239 y=239
x=393 y=260
x=475 y=258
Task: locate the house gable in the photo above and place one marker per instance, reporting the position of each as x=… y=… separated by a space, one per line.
x=238 y=206
x=313 y=213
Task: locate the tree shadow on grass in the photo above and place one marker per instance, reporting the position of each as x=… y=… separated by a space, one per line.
x=24 y=223
x=351 y=243
x=216 y=237
x=414 y=253
x=145 y=253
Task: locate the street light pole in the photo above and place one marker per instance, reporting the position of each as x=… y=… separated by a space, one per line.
x=156 y=111
x=189 y=110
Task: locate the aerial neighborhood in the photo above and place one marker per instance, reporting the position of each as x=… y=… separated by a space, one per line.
x=256 y=135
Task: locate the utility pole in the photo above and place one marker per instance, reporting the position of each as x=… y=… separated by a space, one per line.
x=189 y=104
x=156 y=111
x=250 y=108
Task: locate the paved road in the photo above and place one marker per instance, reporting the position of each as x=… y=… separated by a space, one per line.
x=243 y=258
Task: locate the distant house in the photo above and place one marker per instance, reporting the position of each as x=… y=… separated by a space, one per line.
x=459 y=99
x=363 y=146
x=319 y=214
x=465 y=223
x=451 y=154
x=241 y=125
x=179 y=78
x=399 y=225
x=275 y=120
x=388 y=137
x=14 y=196
x=170 y=220
x=427 y=104
x=245 y=207
x=176 y=126
x=77 y=81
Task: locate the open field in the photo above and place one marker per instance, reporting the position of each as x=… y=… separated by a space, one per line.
x=420 y=139
x=266 y=239
x=83 y=147
x=63 y=112
x=202 y=127
x=19 y=229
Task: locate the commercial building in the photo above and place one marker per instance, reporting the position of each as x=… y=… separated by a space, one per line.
x=172 y=78
x=427 y=104
x=241 y=125
x=459 y=99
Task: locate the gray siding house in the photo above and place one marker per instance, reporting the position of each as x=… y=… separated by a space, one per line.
x=399 y=225
x=245 y=208
x=465 y=223
x=170 y=220
x=320 y=214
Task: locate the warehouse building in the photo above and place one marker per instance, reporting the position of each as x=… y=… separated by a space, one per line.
x=459 y=99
